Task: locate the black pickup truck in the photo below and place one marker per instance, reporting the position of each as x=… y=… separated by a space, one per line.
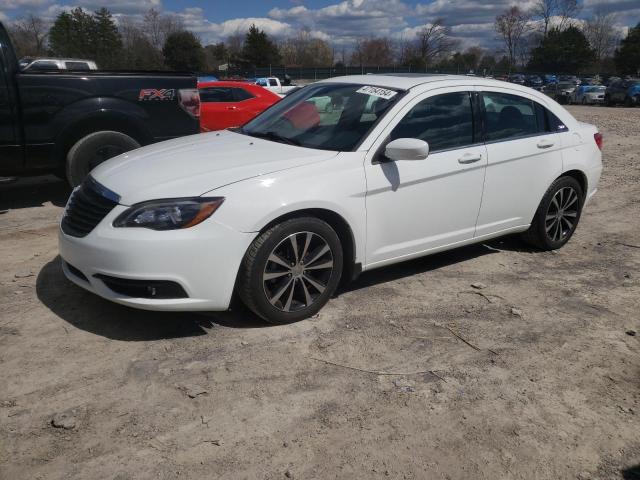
x=66 y=122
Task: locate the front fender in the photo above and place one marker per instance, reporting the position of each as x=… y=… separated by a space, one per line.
x=337 y=185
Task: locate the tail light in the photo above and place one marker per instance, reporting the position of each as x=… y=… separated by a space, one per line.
x=189 y=99
x=598 y=138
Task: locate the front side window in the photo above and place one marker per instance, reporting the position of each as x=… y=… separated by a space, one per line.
x=508 y=116
x=216 y=95
x=443 y=121
x=326 y=116
x=273 y=82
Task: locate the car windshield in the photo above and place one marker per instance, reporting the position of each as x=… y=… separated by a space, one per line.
x=595 y=89
x=326 y=116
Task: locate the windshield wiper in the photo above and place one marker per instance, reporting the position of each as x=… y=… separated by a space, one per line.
x=274 y=136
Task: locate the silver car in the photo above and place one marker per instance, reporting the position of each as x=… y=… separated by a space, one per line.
x=588 y=94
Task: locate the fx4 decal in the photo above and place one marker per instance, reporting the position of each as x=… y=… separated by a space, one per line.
x=147 y=94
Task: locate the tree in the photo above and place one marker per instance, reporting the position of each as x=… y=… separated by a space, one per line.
x=373 y=52
x=158 y=27
x=258 y=50
x=216 y=55
x=562 y=51
x=512 y=25
x=601 y=34
x=73 y=34
x=305 y=50
x=434 y=41
x=627 y=57
x=545 y=10
x=29 y=36
x=138 y=52
x=183 y=51
x=107 y=40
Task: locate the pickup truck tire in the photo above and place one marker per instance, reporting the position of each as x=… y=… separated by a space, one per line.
x=90 y=151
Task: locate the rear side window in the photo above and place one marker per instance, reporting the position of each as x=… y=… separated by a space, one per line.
x=547 y=121
x=443 y=121
x=240 y=94
x=508 y=116
x=43 y=65
x=216 y=95
x=77 y=65
x=273 y=82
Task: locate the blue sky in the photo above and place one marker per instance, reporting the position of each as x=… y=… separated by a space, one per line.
x=341 y=22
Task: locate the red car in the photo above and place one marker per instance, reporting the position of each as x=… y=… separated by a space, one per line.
x=231 y=104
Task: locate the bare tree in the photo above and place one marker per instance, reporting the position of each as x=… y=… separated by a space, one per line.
x=434 y=41
x=564 y=10
x=373 y=52
x=30 y=35
x=158 y=26
x=567 y=11
x=545 y=9
x=601 y=34
x=305 y=50
x=512 y=26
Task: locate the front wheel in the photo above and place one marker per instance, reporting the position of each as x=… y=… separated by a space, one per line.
x=291 y=270
x=557 y=216
x=92 y=150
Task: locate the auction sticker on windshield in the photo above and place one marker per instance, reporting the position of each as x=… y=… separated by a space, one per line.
x=378 y=92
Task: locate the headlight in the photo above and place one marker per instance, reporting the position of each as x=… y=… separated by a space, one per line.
x=169 y=214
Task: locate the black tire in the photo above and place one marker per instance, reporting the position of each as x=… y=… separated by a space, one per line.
x=628 y=102
x=92 y=150
x=253 y=288
x=607 y=101
x=539 y=234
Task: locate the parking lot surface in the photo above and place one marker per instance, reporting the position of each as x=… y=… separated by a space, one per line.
x=411 y=372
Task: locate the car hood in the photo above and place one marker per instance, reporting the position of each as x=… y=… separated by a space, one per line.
x=191 y=166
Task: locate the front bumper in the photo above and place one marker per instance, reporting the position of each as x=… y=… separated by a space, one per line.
x=203 y=260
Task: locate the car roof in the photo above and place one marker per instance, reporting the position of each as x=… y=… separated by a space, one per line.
x=52 y=59
x=407 y=81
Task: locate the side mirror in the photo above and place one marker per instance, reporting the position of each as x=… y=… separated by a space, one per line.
x=407 y=149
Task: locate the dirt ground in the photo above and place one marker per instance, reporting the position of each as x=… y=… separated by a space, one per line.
x=535 y=376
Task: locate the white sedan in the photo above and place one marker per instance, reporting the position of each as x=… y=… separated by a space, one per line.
x=281 y=210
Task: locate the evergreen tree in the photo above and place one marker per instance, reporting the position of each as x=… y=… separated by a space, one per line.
x=565 y=51
x=258 y=49
x=627 y=57
x=79 y=34
x=183 y=51
x=107 y=40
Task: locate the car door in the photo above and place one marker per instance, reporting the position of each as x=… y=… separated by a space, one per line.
x=524 y=142
x=414 y=206
x=218 y=108
x=245 y=107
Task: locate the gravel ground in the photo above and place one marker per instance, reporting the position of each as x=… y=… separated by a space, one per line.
x=536 y=375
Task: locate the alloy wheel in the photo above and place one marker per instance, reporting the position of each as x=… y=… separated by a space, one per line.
x=297 y=271
x=562 y=214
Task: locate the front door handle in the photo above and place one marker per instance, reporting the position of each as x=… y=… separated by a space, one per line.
x=545 y=144
x=470 y=158
x=232 y=108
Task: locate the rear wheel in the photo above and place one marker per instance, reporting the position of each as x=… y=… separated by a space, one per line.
x=291 y=270
x=557 y=216
x=628 y=102
x=92 y=150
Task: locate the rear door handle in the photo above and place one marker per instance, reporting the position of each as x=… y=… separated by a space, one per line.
x=545 y=144
x=470 y=158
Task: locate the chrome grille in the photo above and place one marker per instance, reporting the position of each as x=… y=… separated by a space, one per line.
x=86 y=208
